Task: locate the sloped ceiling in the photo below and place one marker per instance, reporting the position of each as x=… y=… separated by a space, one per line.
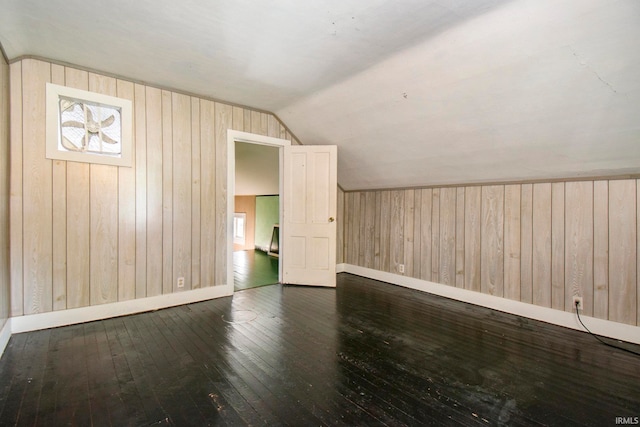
x=414 y=92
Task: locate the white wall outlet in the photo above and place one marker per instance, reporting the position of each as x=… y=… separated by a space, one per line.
x=401 y=268
x=577 y=299
x=180 y=282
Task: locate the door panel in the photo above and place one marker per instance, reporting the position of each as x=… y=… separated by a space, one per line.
x=309 y=227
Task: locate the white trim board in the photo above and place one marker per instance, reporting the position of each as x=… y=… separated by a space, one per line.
x=5 y=334
x=53 y=319
x=607 y=328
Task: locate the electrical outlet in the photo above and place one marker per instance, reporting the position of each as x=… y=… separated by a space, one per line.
x=401 y=268
x=577 y=299
x=180 y=282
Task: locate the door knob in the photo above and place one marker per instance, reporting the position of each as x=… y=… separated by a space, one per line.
x=331 y=219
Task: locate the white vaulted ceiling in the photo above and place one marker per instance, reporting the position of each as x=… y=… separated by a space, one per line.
x=414 y=92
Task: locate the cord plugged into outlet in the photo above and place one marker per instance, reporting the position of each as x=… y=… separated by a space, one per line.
x=577 y=302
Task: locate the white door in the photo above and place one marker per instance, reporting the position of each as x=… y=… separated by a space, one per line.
x=309 y=226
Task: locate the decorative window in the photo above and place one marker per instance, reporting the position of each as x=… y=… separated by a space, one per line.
x=88 y=127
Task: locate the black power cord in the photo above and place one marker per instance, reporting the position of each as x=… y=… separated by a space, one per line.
x=598 y=338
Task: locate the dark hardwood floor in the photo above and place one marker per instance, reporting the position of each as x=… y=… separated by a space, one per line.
x=254 y=268
x=365 y=353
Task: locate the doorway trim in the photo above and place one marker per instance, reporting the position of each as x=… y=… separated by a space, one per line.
x=234 y=136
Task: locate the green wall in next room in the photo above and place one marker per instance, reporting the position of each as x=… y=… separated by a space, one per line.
x=267 y=215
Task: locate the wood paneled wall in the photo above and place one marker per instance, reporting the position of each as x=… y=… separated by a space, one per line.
x=340 y=227
x=86 y=234
x=537 y=243
x=4 y=191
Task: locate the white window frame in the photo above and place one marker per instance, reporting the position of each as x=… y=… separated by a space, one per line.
x=237 y=238
x=54 y=92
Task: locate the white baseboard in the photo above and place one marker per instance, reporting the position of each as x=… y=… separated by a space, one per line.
x=5 y=334
x=340 y=268
x=72 y=316
x=607 y=328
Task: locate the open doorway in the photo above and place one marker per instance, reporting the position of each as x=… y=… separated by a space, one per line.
x=307 y=189
x=256 y=217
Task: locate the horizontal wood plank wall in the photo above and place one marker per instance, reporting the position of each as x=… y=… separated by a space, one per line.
x=536 y=243
x=4 y=192
x=90 y=234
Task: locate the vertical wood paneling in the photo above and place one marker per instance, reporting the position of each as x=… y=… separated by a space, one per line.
x=512 y=227
x=396 y=235
x=273 y=127
x=492 y=241
x=264 y=124
x=86 y=234
x=182 y=196
x=15 y=191
x=104 y=240
x=623 y=251
x=348 y=218
x=348 y=227
x=542 y=244
x=369 y=224
x=362 y=225
x=59 y=226
x=460 y=237
x=208 y=192
x=195 y=193
x=601 y=249
x=472 y=230
x=36 y=179
x=140 y=122
x=557 y=246
x=223 y=120
x=579 y=245
x=526 y=244
x=340 y=228
x=556 y=237
x=78 y=216
x=154 y=218
x=408 y=232
x=127 y=215
x=377 y=262
x=358 y=228
x=354 y=252
x=417 y=232
x=103 y=204
x=246 y=122
x=255 y=122
x=385 y=231
x=167 y=193
x=447 y=245
x=435 y=235
x=237 y=121
x=425 y=233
